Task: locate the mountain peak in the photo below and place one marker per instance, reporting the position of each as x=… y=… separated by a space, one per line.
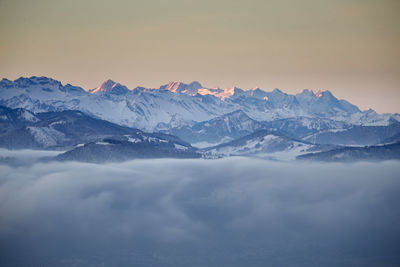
x=326 y=94
x=196 y=84
x=173 y=86
x=110 y=86
x=319 y=93
x=277 y=91
x=34 y=80
x=109 y=82
x=228 y=92
x=180 y=87
x=307 y=92
x=104 y=87
x=256 y=90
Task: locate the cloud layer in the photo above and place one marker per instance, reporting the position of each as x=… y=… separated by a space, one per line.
x=229 y=212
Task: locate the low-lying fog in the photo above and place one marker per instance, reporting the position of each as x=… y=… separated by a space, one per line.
x=225 y=212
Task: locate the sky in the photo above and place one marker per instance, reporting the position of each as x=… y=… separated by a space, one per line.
x=350 y=47
x=224 y=212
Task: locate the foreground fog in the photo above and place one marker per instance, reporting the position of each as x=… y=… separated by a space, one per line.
x=228 y=212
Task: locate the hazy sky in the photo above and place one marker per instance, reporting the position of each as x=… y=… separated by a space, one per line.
x=350 y=47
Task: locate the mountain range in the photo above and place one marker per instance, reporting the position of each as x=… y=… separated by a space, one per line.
x=349 y=154
x=42 y=113
x=177 y=104
x=85 y=138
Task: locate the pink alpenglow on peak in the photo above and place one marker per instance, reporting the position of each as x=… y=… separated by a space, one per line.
x=111 y=87
x=196 y=88
x=222 y=94
x=318 y=93
x=179 y=87
x=173 y=86
x=104 y=87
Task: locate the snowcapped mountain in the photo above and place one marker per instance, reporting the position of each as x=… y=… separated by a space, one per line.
x=218 y=130
x=323 y=102
x=349 y=154
x=355 y=135
x=301 y=127
x=178 y=104
x=110 y=122
x=110 y=87
x=16 y=117
x=178 y=87
x=264 y=143
x=391 y=140
x=64 y=129
x=87 y=139
x=134 y=146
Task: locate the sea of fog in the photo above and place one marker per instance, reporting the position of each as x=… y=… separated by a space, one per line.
x=174 y=212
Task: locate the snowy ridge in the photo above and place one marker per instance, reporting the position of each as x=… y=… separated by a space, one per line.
x=110 y=87
x=350 y=154
x=120 y=148
x=218 y=130
x=94 y=140
x=178 y=104
x=263 y=143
